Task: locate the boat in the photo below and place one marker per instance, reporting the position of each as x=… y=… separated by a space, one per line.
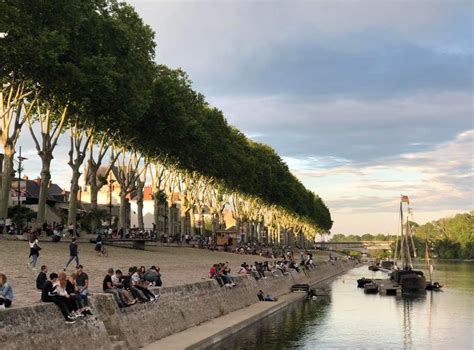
x=386 y=265
x=361 y=282
x=405 y=276
x=371 y=288
x=433 y=286
x=373 y=267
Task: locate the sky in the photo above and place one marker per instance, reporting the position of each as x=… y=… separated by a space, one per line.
x=364 y=100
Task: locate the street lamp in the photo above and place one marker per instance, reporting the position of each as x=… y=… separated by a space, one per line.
x=20 y=168
x=111 y=183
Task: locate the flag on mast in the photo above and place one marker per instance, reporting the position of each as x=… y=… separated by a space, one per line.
x=405 y=199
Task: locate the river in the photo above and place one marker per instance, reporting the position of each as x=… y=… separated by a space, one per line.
x=349 y=319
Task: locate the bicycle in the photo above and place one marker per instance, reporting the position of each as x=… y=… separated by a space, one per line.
x=102 y=251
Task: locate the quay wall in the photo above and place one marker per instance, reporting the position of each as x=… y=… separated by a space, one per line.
x=178 y=308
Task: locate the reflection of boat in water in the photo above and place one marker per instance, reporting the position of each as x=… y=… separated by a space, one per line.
x=405 y=276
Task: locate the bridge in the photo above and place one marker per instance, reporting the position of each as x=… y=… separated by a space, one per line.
x=361 y=246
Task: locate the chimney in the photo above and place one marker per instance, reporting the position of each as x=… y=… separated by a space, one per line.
x=37 y=180
x=50 y=183
x=25 y=178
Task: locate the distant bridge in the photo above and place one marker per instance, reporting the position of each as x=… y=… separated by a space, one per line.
x=362 y=246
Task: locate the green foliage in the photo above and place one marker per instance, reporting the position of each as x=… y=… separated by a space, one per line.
x=448 y=238
x=94 y=215
x=21 y=215
x=96 y=56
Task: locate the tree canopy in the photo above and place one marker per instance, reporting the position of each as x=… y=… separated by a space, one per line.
x=97 y=57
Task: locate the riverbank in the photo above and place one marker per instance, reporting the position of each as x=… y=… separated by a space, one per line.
x=217 y=330
x=180 y=307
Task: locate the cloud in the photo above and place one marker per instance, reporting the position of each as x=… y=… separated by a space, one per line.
x=322 y=46
x=350 y=129
x=438 y=181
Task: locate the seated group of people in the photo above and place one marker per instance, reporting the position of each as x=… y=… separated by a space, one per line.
x=257 y=270
x=133 y=287
x=69 y=293
x=221 y=273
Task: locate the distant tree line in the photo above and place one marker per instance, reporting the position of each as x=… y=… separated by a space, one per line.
x=359 y=238
x=448 y=238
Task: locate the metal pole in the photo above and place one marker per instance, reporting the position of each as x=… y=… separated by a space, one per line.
x=110 y=204
x=19 y=176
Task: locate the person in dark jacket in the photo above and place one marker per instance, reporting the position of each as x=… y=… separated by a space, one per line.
x=73 y=254
x=49 y=295
x=42 y=277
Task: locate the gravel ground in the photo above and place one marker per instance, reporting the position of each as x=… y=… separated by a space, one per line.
x=179 y=265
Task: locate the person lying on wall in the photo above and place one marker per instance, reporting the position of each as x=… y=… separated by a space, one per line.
x=262 y=297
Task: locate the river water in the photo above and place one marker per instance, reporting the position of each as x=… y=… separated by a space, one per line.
x=349 y=319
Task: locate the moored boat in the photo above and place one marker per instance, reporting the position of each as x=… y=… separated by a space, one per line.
x=371 y=288
x=361 y=282
x=410 y=280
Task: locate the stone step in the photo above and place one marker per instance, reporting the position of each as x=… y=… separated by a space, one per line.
x=113 y=337
x=119 y=345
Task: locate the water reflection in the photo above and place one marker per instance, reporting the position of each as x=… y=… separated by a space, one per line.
x=350 y=319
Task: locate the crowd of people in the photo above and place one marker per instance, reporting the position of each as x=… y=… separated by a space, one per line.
x=69 y=292
x=133 y=287
x=221 y=273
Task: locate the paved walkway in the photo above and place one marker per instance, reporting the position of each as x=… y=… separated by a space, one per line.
x=178 y=265
x=212 y=331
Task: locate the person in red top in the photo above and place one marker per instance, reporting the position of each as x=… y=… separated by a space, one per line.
x=213 y=271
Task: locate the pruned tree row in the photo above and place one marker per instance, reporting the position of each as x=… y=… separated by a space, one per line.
x=87 y=67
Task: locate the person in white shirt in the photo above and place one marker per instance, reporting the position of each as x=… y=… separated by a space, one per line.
x=34 y=250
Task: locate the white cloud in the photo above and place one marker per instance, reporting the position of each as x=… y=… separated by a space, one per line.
x=439 y=182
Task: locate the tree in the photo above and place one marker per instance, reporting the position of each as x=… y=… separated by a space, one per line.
x=128 y=173
x=51 y=126
x=15 y=108
x=79 y=139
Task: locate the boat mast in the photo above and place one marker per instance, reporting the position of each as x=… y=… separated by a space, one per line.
x=410 y=214
x=407 y=245
x=402 y=240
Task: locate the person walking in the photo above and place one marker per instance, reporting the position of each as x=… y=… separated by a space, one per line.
x=34 y=250
x=73 y=254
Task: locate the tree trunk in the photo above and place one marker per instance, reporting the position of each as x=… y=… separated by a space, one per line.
x=6 y=182
x=72 y=215
x=141 y=224
x=123 y=210
x=182 y=212
x=43 y=195
x=170 y=222
x=192 y=220
x=156 y=209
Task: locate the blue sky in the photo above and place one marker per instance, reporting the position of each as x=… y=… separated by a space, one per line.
x=365 y=100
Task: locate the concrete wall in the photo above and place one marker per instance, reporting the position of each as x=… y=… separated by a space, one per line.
x=42 y=327
x=179 y=308
x=185 y=306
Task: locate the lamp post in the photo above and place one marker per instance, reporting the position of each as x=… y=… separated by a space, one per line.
x=111 y=187
x=20 y=168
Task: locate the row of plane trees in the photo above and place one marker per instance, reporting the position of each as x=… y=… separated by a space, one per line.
x=87 y=68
